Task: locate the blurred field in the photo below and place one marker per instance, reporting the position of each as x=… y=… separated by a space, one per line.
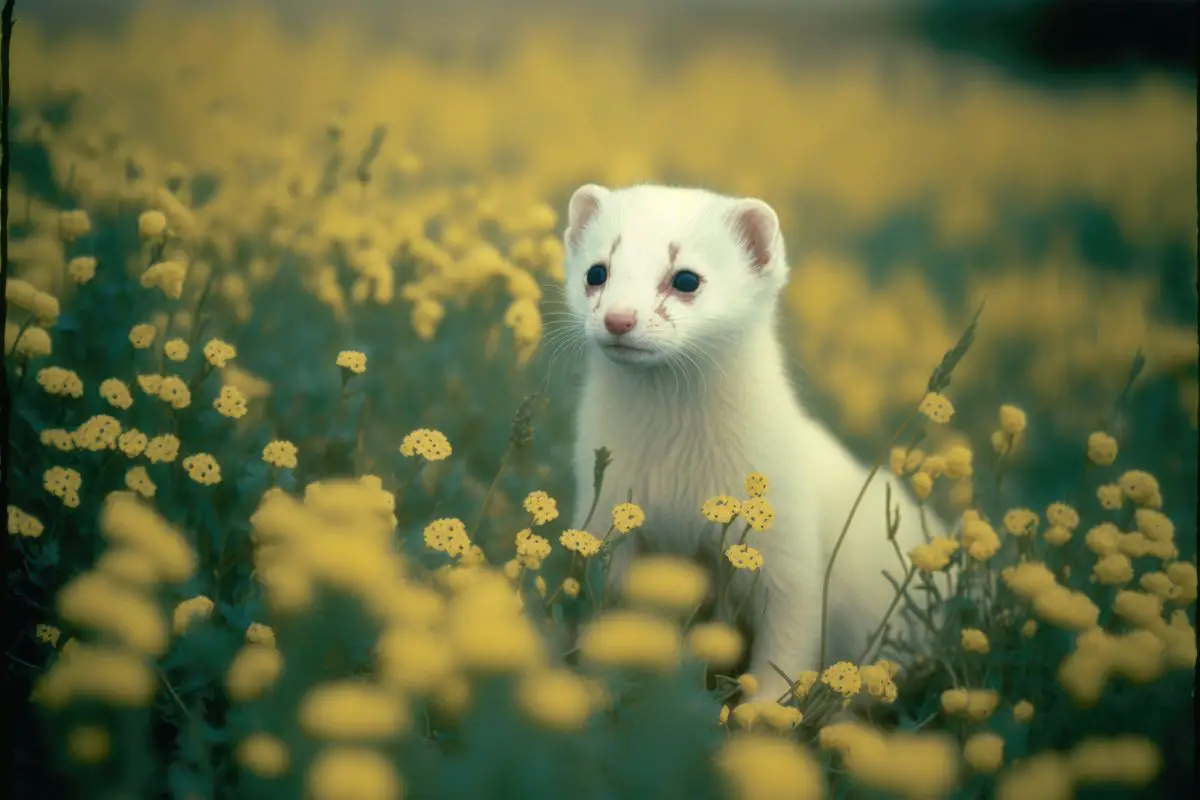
x=398 y=189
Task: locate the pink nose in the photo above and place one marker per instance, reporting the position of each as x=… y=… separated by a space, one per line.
x=619 y=322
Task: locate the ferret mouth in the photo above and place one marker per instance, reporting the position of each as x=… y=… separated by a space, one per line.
x=624 y=352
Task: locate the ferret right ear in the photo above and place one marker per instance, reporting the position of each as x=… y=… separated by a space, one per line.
x=582 y=209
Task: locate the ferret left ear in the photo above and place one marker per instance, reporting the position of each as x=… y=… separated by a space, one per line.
x=756 y=227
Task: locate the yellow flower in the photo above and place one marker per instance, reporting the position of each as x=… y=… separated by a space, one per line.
x=630 y=639
x=258 y=633
x=162 y=449
x=1101 y=448
x=60 y=382
x=152 y=224
x=280 y=454
x=1114 y=569
x=150 y=384
x=352 y=360
x=981 y=703
x=1183 y=575
x=877 y=680
x=1154 y=525
x=1131 y=761
x=219 y=353
x=721 y=509
x=542 y=506
x=1103 y=539
x=843 y=678
x=716 y=643
x=748 y=684
x=1045 y=776
x=933 y=555
x=432 y=445
x=176 y=350
x=1028 y=579
x=756 y=484
x=531 y=549
x=339 y=773
x=975 y=640
x=570 y=587
x=1012 y=420
x=203 y=469
x=142 y=336
x=169 y=276
x=1062 y=514
x=759 y=767
x=1143 y=610
x=580 y=542
x=1023 y=711
x=93 y=600
x=231 y=402
x=198 y=607
x=1057 y=535
x=979 y=538
x=63 y=483
x=57 y=438
x=627 y=516
x=758 y=513
x=263 y=754
x=352 y=710
x=254 y=668
x=88 y=744
x=1021 y=522
x=555 y=698
x=447 y=535
x=743 y=556
x=48 y=634
x=984 y=752
x=805 y=681
x=73 y=224
x=959 y=462
x=34 y=342
x=174 y=392
x=1141 y=488
x=1067 y=609
x=82 y=269
x=138 y=480
x=22 y=524
x=98 y=433
x=665 y=581
x=1110 y=496
x=936 y=407
x=132 y=442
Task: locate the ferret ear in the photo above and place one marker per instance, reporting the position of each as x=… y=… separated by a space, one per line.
x=756 y=228
x=582 y=209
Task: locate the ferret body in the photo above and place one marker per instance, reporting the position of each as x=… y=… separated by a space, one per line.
x=675 y=291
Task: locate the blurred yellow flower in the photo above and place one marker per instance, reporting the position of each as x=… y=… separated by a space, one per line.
x=1012 y=420
x=352 y=710
x=138 y=480
x=975 y=641
x=936 y=407
x=60 y=382
x=88 y=744
x=339 y=773
x=142 y=335
x=198 y=607
x=23 y=524
x=1101 y=448
x=630 y=639
x=177 y=350
x=254 y=668
x=984 y=752
x=716 y=643
x=1141 y=488
x=1023 y=711
x=664 y=581
x=82 y=269
x=557 y=699
x=262 y=754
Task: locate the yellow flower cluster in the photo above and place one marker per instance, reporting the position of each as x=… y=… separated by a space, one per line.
x=532 y=549
x=231 y=402
x=933 y=555
x=743 y=556
x=219 y=353
x=64 y=483
x=27 y=297
x=281 y=453
x=904 y=764
x=352 y=360
x=168 y=276
x=430 y=445
x=665 y=582
x=580 y=542
x=61 y=382
x=627 y=516
x=976 y=704
x=203 y=469
x=721 y=509
x=22 y=524
x=33 y=342
x=1052 y=602
x=936 y=407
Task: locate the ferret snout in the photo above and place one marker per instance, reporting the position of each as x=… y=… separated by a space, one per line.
x=620 y=322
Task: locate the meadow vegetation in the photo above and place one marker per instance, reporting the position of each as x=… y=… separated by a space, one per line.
x=287 y=465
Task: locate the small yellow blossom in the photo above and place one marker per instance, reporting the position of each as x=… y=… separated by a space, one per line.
x=716 y=643
x=132 y=442
x=936 y=407
x=82 y=269
x=1045 y=776
x=630 y=639
x=203 y=469
x=254 y=668
x=922 y=484
x=231 y=402
x=48 y=634
x=959 y=462
x=756 y=767
x=665 y=581
x=1130 y=761
x=97 y=433
x=174 y=392
x=580 y=542
x=627 y=516
x=352 y=710
x=34 y=342
x=198 y=607
x=88 y=744
x=1021 y=522
x=263 y=754
x=1154 y=525
x=150 y=384
x=64 y=483
x=843 y=678
x=1141 y=488
x=1142 y=609
x=743 y=556
x=60 y=382
x=168 y=276
x=721 y=509
x=23 y=524
x=532 y=549
x=152 y=224
x=570 y=587
x=979 y=538
x=756 y=484
x=804 y=683
x=218 y=353
x=1111 y=496
x=162 y=449
x=1101 y=448
x=57 y=438
x=432 y=445
x=142 y=336
x=1183 y=575
x=280 y=454
x=176 y=350
x=556 y=699
x=1029 y=628
x=1113 y=569
x=1023 y=711
x=1103 y=539
x=984 y=752
x=933 y=555
x=1063 y=515
x=138 y=480
x=975 y=641
x=758 y=513
x=352 y=360
x=1012 y=420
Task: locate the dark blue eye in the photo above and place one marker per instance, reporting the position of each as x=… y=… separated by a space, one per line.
x=685 y=281
x=597 y=274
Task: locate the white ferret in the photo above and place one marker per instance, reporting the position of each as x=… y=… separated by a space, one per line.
x=674 y=291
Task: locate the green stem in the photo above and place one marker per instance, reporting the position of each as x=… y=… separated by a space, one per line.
x=474 y=530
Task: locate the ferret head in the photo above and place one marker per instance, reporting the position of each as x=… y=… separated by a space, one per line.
x=659 y=275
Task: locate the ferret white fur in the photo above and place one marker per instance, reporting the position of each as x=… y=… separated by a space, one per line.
x=697 y=397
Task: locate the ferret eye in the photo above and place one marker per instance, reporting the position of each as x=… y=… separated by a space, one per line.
x=597 y=274
x=685 y=281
